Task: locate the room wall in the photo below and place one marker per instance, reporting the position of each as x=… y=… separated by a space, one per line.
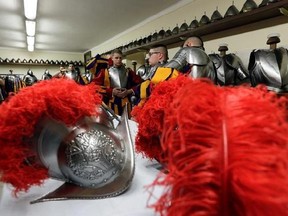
x=38 y=70
x=241 y=44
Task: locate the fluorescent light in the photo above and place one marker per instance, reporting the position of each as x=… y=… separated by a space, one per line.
x=30 y=48
x=30 y=27
x=30 y=40
x=30 y=9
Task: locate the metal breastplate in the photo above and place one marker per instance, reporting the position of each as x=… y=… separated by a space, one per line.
x=1 y=95
x=29 y=80
x=10 y=83
x=200 y=64
x=269 y=67
x=118 y=77
x=229 y=69
x=88 y=76
x=235 y=63
x=204 y=71
x=220 y=67
x=72 y=75
x=46 y=76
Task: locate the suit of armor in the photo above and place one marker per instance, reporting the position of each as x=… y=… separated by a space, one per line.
x=269 y=67
x=30 y=78
x=46 y=75
x=230 y=69
x=13 y=83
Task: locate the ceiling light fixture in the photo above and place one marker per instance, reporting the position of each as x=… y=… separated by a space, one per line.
x=30 y=27
x=30 y=9
x=30 y=48
x=30 y=41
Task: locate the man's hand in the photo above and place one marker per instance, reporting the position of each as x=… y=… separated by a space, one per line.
x=121 y=92
x=116 y=92
x=125 y=93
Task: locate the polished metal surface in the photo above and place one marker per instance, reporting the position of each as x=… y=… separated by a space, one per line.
x=269 y=67
x=216 y=16
x=231 y=11
x=184 y=27
x=89 y=76
x=191 y=55
x=204 y=20
x=118 y=77
x=29 y=79
x=46 y=75
x=144 y=71
x=230 y=69
x=92 y=157
x=72 y=75
x=194 y=24
x=249 y=5
x=198 y=61
x=179 y=60
x=95 y=160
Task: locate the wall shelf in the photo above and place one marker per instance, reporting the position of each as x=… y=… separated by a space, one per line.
x=36 y=62
x=255 y=19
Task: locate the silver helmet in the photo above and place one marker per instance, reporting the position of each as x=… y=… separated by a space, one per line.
x=95 y=159
x=67 y=134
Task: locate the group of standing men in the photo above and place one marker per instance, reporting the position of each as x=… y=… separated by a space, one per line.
x=121 y=85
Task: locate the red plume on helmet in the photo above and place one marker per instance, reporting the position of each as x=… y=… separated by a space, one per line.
x=60 y=99
x=226 y=152
x=150 y=117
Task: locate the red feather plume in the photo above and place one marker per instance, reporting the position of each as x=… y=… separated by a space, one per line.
x=150 y=117
x=226 y=153
x=61 y=99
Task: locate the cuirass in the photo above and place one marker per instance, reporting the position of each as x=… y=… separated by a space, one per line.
x=229 y=68
x=220 y=67
x=188 y=55
x=10 y=83
x=269 y=67
x=1 y=95
x=89 y=76
x=118 y=77
x=236 y=63
x=46 y=76
x=29 y=80
x=203 y=71
x=72 y=75
x=10 y=78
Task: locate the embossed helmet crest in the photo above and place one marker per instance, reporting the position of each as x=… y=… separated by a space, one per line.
x=70 y=136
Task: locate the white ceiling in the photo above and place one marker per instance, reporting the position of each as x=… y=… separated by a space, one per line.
x=74 y=25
